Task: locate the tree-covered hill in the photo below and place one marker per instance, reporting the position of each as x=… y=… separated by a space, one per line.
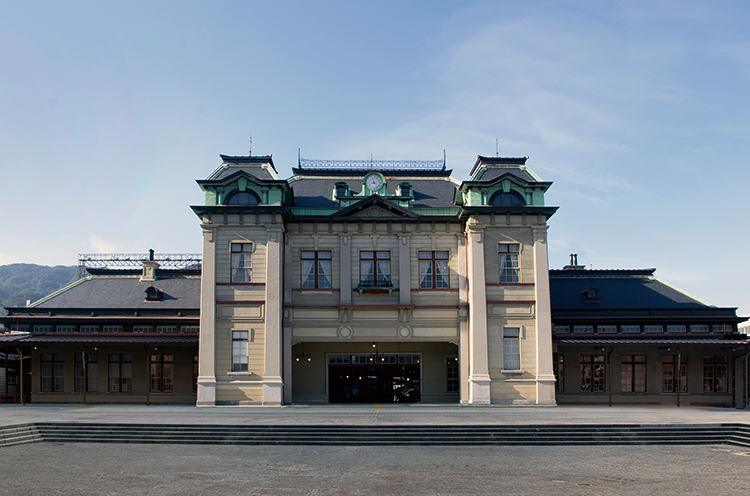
x=21 y=282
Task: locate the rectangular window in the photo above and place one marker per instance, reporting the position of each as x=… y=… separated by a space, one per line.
x=509 y=268
x=42 y=328
x=592 y=369
x=239 y=351
x=142 y=328
x=53 y=372
x=89 y=328
x=630 y=329
x=166 y=328
x=162 y=373
x=583 y=329
x=675 y=328
x=316 y=269
x=606 y=329
x=375 y=269
x=66 y=328
x=451 y=365
x=653 y=329
x=562 y=329
x=241 y=262
x=699 y=328
x=433 y=270
x=184 y=329
x=511 y=350
x=112 y=328
x=668 y=378
x=633 y=374
x=89 y=363
x=715 y=374
x=120 y=372
x=720 y=329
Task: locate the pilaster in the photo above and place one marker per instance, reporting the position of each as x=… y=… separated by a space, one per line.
x=345 y=243
x=404 y=269
x=479 y=376
x=273 y=393
x=545 y=378
x=207 y=334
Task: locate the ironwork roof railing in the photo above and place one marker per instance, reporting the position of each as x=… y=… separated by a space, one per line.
x=129 y=261
x=372 y=165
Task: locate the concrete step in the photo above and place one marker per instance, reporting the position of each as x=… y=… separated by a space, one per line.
x=392 y=435
x=19 y=434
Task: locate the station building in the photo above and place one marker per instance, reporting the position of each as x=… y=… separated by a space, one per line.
x=371 y=282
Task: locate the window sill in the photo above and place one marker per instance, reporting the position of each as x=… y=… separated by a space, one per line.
x=240 y=374
x=513 y=372
x=316 y=291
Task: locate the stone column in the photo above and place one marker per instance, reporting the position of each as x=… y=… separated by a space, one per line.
x=287 y=341
x=545 y=378
x=404 y=269
x=479 y=375
x=345 y=269
x=207 y=335
x=272 y=381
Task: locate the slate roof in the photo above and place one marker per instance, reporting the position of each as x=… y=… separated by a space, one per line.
x=435 y=192
x=495 y=172
x=253 y=170
x=618 y=289
x=124 y=292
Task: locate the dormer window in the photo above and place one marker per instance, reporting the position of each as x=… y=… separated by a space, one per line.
x=341 y=189
x=404 y=189
x=242 y=198
x=153 y=294
x=510 y=199
x=591 y=295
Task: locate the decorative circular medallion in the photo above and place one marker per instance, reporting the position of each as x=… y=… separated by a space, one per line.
x=404 y=332
x=345 y=332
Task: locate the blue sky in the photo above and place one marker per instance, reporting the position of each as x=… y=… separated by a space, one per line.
x=638 y=112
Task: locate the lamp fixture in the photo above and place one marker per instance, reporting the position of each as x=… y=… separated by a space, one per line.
x=303 y=355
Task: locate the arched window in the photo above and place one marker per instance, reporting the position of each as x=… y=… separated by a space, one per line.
x=242 y=198
x=511 y=199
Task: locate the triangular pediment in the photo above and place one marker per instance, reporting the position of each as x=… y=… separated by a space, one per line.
x=374 y=207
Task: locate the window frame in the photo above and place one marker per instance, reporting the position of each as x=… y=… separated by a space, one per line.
x=452 y=375
x=53 y=380
x=124 y=381
x=378 y=280
x=630 y=366
x=670 y=361
x=713 y=381
x=241 y=261
x=240 y=361
x=510 y=263
x=597 y=374
x=511 y=349
x=431 y=262
x=161 y=373
x=317 y=262
x=92 y=372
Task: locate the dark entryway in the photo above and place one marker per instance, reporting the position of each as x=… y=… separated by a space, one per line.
x=371 y=383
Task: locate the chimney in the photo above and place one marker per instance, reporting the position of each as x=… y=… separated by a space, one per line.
x=574 y=263
x=149 y=268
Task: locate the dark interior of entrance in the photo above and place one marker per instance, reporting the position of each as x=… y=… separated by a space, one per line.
x=371 y=383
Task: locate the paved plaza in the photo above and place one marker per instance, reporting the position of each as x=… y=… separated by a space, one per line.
x=125 y=469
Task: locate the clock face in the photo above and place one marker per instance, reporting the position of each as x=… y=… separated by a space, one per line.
x=373 y=182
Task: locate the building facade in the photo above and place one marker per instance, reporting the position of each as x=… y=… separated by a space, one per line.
x=625 y=336
x=374 y=282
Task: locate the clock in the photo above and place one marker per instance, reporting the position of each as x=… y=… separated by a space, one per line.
x=374 y=182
